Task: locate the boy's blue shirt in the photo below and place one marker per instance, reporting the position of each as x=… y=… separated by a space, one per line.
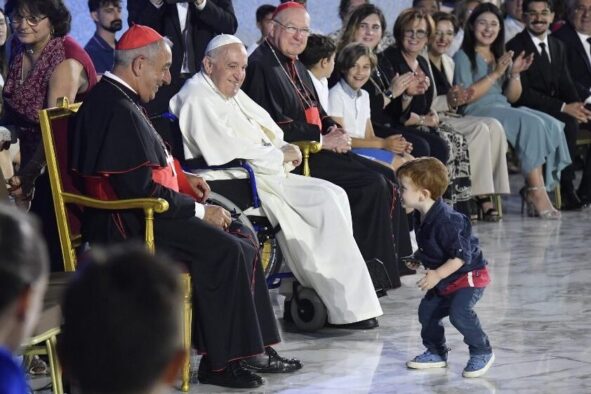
x=446 y=234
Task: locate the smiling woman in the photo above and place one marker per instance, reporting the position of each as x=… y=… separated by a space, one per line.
x=45 y=64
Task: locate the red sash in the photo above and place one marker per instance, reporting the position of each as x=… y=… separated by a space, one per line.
x=313 y=117
x=477 y=279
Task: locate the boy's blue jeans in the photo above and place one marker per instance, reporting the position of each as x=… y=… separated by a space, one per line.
x=459 y=307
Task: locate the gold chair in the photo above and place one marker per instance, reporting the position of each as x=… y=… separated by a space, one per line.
x=307 y=148
x=69 y=202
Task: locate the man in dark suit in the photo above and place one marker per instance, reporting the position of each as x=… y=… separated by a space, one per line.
x=190 y=25
x=547 y=85
x=576 y=36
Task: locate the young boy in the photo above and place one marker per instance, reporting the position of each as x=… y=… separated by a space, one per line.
x=456 y=273
x=319 y=57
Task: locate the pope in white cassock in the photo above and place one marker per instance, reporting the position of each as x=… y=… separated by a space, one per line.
x=221 y=123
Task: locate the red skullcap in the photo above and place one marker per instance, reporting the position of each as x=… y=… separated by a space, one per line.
x=137 y=36
x=285 y=6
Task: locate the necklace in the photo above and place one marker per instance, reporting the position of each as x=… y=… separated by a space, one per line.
x=307 y=101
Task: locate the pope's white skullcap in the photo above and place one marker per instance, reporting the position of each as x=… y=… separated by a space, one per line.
x=221 y=40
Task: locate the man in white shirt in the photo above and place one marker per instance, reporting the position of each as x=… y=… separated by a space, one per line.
x=513 y=21
x=319 y=57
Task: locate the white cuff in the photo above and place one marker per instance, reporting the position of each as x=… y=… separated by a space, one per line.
x=562 y=108
x=199 y=210
x=588 y=100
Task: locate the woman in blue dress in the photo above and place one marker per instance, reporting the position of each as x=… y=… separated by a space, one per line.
x=493 y=78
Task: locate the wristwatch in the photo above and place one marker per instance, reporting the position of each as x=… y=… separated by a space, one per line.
x=388 y=93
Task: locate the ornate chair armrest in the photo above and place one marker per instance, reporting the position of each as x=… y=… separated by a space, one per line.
x=149 y=205
x=158 y=205
x=307 y=148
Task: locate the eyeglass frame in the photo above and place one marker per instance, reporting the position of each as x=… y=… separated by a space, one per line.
x=410 y=33
x=292 y=30
x=16 y=20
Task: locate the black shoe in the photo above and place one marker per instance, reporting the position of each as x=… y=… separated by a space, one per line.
x=367 y=324
x=234 y=376
x=271 y=362
x=570 y=201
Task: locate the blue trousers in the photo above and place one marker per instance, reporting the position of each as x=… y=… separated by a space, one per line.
x=459 y=307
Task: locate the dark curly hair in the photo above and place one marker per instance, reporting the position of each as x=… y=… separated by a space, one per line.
x=55 y=10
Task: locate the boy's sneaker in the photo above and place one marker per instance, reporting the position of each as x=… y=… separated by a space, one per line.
x=427 y=360
x=478 y=365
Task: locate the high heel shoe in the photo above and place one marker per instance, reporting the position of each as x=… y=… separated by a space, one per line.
x=488 y=215
x=532 y=211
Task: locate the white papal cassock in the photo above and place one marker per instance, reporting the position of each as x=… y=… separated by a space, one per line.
x=316 y=236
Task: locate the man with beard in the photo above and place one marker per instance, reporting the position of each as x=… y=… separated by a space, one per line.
x=106 y=14
x=548 y=87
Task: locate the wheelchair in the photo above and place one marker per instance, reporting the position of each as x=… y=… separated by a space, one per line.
x=236 y=179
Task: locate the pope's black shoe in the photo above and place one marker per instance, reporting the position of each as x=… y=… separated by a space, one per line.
x=234 y=376
x=271 y=362
x=367 y=324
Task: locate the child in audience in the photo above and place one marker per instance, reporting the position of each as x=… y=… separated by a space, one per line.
x=456 y=272
x=24 y=271
x=349 y=105
x=122 y=329
x=318 y=57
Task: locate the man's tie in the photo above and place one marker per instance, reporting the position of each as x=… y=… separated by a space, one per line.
x=544 y=53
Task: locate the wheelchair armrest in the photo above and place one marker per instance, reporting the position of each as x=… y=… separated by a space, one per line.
x=307 y=148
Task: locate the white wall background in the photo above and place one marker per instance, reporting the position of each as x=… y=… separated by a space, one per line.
x=323 y=15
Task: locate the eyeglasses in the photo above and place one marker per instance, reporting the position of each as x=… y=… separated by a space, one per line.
x=32 y=20
x=420 y=34
x=292 y=30
x=367 y=27
x=535 y=14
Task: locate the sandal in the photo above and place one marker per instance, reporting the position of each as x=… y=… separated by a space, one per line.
x=38 y=367
x=488 y=215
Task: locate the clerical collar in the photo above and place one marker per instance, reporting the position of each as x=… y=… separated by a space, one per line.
x=115 y=78
x=283 y=58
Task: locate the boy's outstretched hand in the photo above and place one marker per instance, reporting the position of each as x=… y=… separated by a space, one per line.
x=430 y=280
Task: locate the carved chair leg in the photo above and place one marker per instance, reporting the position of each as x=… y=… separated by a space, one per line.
x=54 y=365
x=187 y=321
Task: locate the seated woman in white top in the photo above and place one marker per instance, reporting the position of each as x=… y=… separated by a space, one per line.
x=349 y=105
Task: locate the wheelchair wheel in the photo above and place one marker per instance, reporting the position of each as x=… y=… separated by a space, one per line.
x=307 y=310
x=270 y=252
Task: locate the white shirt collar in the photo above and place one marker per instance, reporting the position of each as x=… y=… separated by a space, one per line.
x=349 y=90
x=114 y=77
x=537 y=41
x=583 y=37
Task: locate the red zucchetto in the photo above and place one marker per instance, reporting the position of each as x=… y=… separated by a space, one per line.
x=137 y=36
x=285 y=6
